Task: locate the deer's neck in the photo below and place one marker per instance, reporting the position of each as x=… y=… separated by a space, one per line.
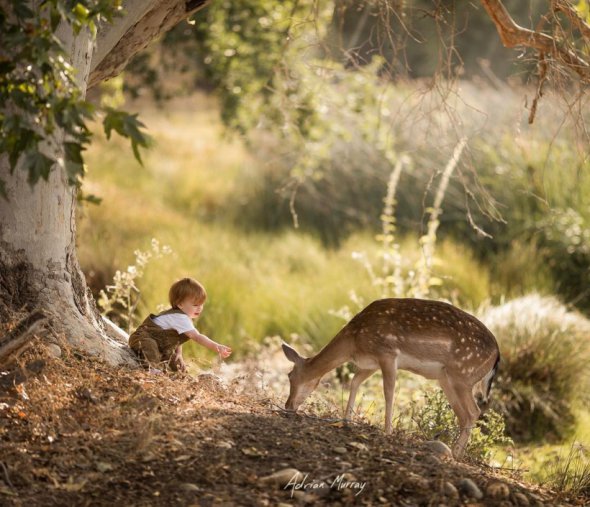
x=338 y=351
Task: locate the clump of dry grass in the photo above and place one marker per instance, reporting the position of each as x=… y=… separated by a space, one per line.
x=544 y=367
x=569 y=473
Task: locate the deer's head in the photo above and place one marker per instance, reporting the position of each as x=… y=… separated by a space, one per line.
x=301 y=381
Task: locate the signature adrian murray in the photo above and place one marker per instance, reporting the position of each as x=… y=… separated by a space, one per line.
x=339 y=483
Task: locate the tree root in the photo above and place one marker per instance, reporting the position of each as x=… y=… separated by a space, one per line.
x=21 y=336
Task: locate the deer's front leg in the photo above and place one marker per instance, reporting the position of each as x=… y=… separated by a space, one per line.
x=389 y=370
x=359 y=377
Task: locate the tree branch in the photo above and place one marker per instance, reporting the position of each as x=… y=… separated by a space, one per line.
x=574 y=18
x=513 y=35
x=109 y=34
x=142 y=22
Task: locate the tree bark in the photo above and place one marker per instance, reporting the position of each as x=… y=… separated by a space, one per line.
x=144 y=21
x=38 y=263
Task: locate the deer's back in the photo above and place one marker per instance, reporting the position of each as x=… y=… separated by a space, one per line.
x=425 y=335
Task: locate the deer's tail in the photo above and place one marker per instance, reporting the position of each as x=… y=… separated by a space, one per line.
x=490 y=377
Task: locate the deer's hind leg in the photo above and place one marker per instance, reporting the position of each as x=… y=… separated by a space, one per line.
x=389 y=370
x=463 y=403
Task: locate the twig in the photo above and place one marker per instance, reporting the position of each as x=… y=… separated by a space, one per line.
x=539 y=94
x=314 y=417
x=5 y=470
x=574 y=17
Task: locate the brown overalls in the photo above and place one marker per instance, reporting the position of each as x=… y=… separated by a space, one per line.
x=156 y=345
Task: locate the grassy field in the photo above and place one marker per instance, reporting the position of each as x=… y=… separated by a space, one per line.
x=259 y=283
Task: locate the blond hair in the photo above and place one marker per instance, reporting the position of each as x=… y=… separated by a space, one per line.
x=184 y=289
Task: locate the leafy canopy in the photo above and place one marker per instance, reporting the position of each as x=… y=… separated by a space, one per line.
x=40 y=99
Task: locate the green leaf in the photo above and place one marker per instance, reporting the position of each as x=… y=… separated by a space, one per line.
x=89 y=198
x=112 y=121
x=136 y=153
x=38 y=165
x=80 y=11
x=74 y=161
x=23 y=139
x=126 y=125
x=21 y=10
x=55 y=19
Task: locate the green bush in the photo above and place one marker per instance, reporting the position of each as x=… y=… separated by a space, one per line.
x=544 y=366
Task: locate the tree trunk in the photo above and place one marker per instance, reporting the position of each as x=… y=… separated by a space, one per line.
x=38 y=264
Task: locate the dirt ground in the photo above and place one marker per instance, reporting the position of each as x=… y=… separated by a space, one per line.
x=75 y=431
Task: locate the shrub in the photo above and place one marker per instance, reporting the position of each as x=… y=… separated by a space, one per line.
x=543 y=369
x=436 y=420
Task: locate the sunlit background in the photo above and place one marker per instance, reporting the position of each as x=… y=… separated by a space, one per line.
x=305 y=162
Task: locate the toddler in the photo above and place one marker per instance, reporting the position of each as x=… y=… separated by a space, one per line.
x=159 y=338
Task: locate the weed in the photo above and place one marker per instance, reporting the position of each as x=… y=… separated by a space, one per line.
x=119 y=301
x=392 y=278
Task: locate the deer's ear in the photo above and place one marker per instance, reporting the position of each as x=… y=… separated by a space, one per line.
x=292 y=354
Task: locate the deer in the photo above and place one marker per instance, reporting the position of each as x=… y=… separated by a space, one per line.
x=430 y=338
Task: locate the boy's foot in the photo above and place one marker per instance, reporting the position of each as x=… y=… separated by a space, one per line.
x=154 y=371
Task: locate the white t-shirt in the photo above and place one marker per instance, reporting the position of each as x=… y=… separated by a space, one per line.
x=180 y=322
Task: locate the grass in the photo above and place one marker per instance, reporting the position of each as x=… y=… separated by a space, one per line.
x=259 y=283
x=571 y=473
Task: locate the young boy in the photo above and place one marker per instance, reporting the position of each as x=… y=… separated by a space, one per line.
x=159 y=338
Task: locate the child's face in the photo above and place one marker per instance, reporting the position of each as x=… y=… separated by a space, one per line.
x=191 y=307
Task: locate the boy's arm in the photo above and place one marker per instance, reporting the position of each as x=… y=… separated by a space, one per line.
x=201 y=339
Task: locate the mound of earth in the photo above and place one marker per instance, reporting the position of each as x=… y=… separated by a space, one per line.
x=75 y=431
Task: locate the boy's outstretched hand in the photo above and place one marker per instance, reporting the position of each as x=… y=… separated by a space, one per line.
x=224 y=351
